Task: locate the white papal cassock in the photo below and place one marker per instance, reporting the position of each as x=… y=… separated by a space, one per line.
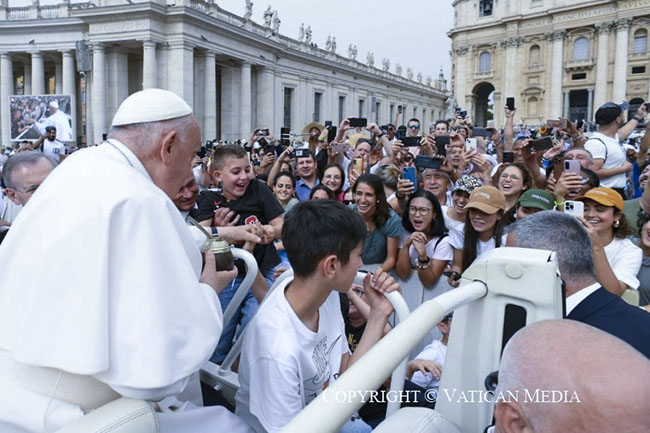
x=100 y=285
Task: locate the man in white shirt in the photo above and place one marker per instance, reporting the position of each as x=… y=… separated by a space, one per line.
x=586 y=300
x=610 y=161
x=106 y=291
x=59 y=120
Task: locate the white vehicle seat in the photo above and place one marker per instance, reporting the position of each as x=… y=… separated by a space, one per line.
x=123 y=415
x=416 y=420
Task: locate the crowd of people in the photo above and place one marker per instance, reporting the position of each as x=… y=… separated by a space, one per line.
x=399 y=201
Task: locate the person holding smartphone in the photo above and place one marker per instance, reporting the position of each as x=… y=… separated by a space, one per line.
x=616 y=259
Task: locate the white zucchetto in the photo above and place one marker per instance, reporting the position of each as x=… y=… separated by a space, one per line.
x=150 y=105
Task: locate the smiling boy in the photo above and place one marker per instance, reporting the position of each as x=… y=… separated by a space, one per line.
x=296 y=344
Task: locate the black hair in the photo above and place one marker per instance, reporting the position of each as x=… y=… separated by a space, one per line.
x=314 y=229
x=470 y=243
x=321 y=187
x=49 y=129
x=287 y=174
x=437 y=224
x=441 y=121
x=413 y=119
x=382 y=209
x=342 y=172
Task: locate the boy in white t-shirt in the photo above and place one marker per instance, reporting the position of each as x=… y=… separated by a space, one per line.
x=295 y=345
x=425 y=370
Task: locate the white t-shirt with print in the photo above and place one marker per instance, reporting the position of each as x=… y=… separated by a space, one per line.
x=611 y=151
x=457 y=240
x=54 y=149
x=625 y=259
x=284 y=365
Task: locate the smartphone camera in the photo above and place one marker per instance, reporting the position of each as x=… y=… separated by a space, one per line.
x=568 y=206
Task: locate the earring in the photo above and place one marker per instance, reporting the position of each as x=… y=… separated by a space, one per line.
x=377 y=201
x=617 y=223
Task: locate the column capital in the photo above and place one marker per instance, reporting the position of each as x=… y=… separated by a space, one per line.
x=97 y=46
x=186 y=45
x=623 y=24
x=65 y=53
x=555 y=35
x=461 y=51
x=148 y=44
x=35 y=53
x=245 y=64
x=604 y=27
x=514 y=41
x=5 y=55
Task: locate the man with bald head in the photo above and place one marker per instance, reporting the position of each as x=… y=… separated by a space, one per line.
x=586 y=300
x=603 y=383
x=106 y=298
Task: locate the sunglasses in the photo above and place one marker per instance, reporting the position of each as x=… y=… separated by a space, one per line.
x=414 y=126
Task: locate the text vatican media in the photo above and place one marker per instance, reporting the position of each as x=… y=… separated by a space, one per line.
x=519 y=396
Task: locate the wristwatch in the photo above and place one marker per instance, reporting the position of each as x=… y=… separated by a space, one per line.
x=215 y=232
x=423 y=264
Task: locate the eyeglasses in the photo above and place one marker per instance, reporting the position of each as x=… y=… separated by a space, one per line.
x=359 y=292
x=510 y=176
x=424 y=211
x=414 y=126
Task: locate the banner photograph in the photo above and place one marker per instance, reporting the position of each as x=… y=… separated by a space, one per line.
x=31 y=114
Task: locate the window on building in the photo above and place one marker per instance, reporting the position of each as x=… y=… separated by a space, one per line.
x=581 y=48
x=362 y=107
x=532 y=106
x=317 y=106
x=341 y=108
x=485 y=8
x=533 y=56
x=484 y=62
x=288 y=102
x=640 y=41
x=638 y=69
x=392 y=113
x=579 y=76
x=415 y=112
x=377 y=111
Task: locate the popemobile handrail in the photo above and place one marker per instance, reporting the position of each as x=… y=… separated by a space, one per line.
x=335 y=405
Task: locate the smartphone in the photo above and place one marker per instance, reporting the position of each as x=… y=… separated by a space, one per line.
x=331 y=135
x=409 y=173
x=572 y=166
x=580 y=123
x=401 y=133
x=263 y=142
x=264 y=132
x=285 y=137
x=575 y=208
x=510 y=103
x=358 y=122
x=647 y=107
x=463 y=114
x=555 y=123
x=424 y=162
x=399 y=109
x=453 y=274
x=540 y=144
x=278 y=150
x=358 y=165
x=558 y=167
x=508 y=156
x=442 y=141
x=328 y=123
x=411 y=141
x=482 y=132
x=202 y=152
x=341 y=148
x=300 y=153
x=471 y=144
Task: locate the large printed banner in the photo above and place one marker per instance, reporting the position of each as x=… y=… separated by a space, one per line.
x=31 y=114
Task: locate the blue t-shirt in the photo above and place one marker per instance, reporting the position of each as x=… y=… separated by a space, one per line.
x=375 y=246
x=303 y=190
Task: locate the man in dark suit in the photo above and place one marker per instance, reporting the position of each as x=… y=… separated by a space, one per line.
x=586 y=300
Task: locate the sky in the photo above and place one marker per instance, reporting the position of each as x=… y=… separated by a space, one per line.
x=410 y=32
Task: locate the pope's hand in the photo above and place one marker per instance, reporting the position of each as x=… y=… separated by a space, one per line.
x=217 y=280
x=234 y=235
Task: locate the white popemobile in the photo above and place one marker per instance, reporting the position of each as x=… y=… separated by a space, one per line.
x=503 y=291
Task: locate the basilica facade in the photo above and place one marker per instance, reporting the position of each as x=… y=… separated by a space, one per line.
x=556 y=57
x=236 y=73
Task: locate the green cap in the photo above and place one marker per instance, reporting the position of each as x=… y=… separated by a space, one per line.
x=537 y=198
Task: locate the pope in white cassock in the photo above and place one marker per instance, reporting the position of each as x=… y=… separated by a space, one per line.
x=101 y=294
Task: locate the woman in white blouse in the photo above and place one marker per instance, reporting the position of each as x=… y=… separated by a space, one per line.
x=616 y=259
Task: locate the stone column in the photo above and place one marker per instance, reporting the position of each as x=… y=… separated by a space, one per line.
x=6 y=89
x=245 y=91
x=510 y=46
x=265 y=98
x=557 y=40
x=565 y=105
x=117 y=78
x=620 y=60
x=69 y=75
x=590 y=104
x=27 y=82
x=58 y=77
x=98 y=93
x=210 y=100
x=461 y=79
x=149 y=68
x=602 y=62
x=38 y=73
x=181 y=72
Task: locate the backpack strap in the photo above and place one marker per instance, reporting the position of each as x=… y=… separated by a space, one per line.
x=598 y=139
